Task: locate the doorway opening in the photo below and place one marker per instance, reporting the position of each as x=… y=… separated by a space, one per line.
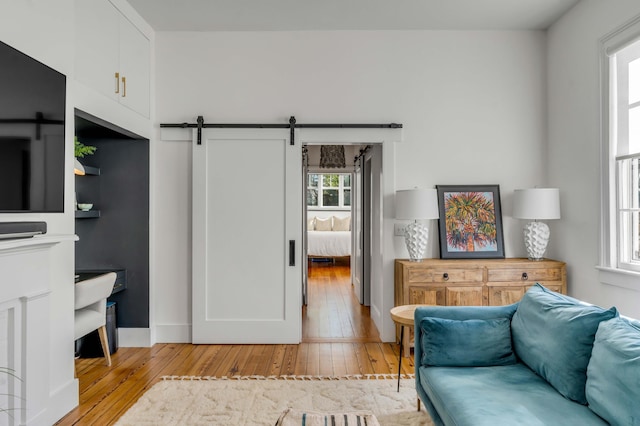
x=337 y=244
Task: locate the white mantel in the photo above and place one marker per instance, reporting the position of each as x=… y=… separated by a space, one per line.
x=25 y=285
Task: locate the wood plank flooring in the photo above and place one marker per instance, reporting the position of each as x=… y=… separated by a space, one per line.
x=333 y=313
x=332 y=347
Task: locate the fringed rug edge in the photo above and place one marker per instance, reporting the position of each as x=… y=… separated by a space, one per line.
x=293 y=377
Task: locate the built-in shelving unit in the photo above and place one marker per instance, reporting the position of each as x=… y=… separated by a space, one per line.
x=90 y=214
x=116 y=182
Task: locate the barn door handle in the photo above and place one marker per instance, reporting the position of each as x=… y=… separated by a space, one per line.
x=292 y=252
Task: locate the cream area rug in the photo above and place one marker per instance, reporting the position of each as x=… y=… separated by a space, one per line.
x=260 y=400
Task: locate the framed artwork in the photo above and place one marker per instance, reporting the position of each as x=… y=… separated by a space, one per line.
x=470 y=222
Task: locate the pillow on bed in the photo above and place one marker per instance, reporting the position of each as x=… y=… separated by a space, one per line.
x=342 y=223
x=311 y=223
x=323 y=224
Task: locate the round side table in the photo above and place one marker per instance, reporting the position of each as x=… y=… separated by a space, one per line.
x=403 y=316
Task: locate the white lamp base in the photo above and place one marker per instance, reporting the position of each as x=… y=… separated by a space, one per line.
x=416 y=236
x=536 y=238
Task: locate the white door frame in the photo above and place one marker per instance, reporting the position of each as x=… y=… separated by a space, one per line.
x=356 y=240
x=383 y=256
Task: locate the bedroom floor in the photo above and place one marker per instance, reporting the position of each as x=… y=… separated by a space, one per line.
x=333 y=313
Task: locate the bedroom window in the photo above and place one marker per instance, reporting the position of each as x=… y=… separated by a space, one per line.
x=330 y=191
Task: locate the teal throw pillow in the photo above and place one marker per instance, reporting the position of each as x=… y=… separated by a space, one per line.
x=466 y=343
x=553 y=335
x=613 y=374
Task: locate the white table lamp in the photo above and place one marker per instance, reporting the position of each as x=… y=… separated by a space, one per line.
x=536 y=204
x=416 y=204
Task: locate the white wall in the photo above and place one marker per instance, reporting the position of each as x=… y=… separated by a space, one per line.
x=43 y=29
x=473 y=106
x=574 y=145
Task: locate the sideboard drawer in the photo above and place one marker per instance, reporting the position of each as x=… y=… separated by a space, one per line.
x=419 y=275
x=524 y=274
x=453 y=275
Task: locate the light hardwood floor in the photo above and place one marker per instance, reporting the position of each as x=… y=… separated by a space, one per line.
x=338 y=339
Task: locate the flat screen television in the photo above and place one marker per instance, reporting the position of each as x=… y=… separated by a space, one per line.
x=32 y=123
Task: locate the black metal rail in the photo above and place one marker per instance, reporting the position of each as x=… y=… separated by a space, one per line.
x=200 y=124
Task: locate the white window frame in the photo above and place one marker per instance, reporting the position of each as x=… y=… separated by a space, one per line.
x=612 y=270
x=341 y=187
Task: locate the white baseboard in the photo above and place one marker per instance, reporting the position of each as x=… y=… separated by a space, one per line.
x=62 y=401
x=173 y=333
x=134 y=338
x=385 y=327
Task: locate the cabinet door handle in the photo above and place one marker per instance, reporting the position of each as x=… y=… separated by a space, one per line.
x=117 y=82
x=124 y=87
x=525 y=276
x=445 y=276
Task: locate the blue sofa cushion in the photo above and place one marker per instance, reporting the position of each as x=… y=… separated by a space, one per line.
x=613 y=374
x=467 y=343
x=506 y=395
x=553 y=334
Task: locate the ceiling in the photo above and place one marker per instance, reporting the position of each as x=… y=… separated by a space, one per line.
x=305 y=15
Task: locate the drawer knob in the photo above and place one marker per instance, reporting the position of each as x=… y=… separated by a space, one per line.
x=445 y=276
x=525 y=276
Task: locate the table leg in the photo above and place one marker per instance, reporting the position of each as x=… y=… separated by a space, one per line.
x=400 y=357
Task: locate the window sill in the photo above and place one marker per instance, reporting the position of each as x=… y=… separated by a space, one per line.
x=619 y=277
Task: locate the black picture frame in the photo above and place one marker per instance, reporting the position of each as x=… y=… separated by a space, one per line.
x=470 y=224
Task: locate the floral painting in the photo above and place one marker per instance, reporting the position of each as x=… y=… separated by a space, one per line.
x=470 y=221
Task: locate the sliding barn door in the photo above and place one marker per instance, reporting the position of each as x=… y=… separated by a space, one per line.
x=247 y=228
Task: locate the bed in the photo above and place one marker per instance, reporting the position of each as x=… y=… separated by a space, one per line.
x=328 y=243
x=329 y=237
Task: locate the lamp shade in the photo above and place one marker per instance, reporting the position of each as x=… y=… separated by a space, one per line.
x=536 y=203
x=412 y=204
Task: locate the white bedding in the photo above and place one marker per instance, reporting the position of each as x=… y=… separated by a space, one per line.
x=329 y=243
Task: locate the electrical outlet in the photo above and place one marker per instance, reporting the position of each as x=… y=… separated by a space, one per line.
x=398 y=229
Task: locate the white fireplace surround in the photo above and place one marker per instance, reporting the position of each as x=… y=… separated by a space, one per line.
x=24 y=327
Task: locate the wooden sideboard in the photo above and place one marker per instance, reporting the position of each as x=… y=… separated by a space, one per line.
x=473 y=282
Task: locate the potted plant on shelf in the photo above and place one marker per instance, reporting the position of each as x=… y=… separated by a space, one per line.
x=80 y=150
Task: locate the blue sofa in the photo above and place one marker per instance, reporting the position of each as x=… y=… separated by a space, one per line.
x=546 y=360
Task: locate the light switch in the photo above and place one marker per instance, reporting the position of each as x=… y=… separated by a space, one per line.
x=398 y=229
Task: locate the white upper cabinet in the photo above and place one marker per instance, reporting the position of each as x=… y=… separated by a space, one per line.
x=134 y=68
x=112 y=55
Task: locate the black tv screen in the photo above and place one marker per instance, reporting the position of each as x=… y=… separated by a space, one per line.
x=32 y=123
